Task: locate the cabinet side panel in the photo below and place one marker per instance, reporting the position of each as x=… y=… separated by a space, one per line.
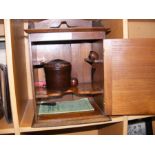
x=10 y=61
x=98 y=75
x=107 y=77
x=19 y=66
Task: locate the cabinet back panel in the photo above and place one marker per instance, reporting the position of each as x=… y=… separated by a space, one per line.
x=132 y=76
x=141 y=28
x=74 y=53
x=1 y=27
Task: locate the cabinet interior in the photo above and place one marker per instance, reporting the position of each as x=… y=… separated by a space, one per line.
x=90 y=77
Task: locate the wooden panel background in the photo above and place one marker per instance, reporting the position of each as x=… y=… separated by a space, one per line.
x=81 y=69
x=132 y=76
x=1 y=27
x=56 y=22
x=141 y=28
x=74 y=53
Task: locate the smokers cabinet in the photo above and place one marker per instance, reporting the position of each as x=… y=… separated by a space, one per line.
x=120 y=82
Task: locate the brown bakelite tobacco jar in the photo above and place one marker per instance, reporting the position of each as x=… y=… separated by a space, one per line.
x=58 y=75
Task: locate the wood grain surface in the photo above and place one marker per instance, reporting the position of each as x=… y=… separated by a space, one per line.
x=19 y=65
x=130 y=76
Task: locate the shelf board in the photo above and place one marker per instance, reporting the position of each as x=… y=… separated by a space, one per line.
x=2 y=38
x=139 y=117
x=27 y=121
x=6 y=128
x=81 y=89
x=74 y=29
x=141 y=20
x=70 y=118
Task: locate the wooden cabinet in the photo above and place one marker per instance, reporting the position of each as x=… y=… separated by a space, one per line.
x=72 y=44
x=125 y=74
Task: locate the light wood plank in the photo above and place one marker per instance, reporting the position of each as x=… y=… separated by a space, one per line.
x=19 y=65
x=2 y=27
x=139 y=117
x=28 y=62
x=9 y=56
x=125 y=29
x=125 y=125
x=141 y=28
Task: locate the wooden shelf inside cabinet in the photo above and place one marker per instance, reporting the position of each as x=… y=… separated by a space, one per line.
x=28 y=120
x=66 y=34
x=76 y=118
x=74 y=29
x=81 y=89
x=6 y=128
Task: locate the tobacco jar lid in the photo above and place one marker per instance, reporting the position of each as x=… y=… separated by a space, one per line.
x=57 y=64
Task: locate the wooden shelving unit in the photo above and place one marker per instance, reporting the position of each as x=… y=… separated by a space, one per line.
x=20 y=76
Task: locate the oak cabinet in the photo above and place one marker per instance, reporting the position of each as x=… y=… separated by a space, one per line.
x=72 y=44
